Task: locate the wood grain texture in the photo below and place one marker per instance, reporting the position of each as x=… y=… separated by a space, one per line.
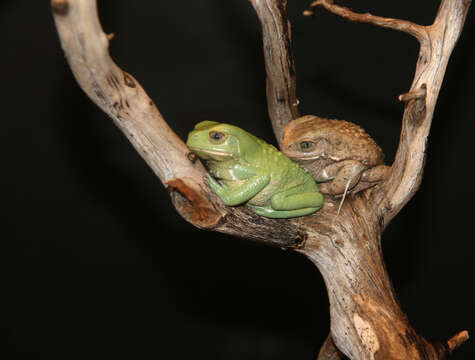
x=366 y=320
x=282 y=102
x=121 y=97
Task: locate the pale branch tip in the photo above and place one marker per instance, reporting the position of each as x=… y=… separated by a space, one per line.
x=436 y=45
x=457 y=340
x=419 y=93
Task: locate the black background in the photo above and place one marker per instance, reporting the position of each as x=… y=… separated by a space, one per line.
x=96 y=262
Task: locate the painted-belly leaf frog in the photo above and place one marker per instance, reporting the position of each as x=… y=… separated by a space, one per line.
x=244 y=169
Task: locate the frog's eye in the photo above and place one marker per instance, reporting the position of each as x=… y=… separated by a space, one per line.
x=217 y=137
x=306 y=146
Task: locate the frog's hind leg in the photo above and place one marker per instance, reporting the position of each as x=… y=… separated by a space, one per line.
x=290 y=200
x=269 y=212
x=290 y=203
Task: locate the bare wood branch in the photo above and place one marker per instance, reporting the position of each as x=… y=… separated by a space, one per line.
x=407 y=169
x=282 y=103
x=121 y=97
x=436 y=44
x=458 y=339
x=117 y=93
x=401 y=25
x=366 y=321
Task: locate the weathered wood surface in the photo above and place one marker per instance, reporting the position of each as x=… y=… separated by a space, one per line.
x=366 y=320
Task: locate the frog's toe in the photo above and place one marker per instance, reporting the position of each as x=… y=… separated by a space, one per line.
x=214 y=185
x=282 y=214
x=262 y=210
x=211 y=181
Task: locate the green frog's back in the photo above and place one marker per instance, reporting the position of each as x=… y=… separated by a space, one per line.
x=285 y=174
x=246 y=169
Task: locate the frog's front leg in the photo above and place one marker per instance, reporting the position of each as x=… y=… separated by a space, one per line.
x=233 y=196
x=295 y=200
x=344 y=175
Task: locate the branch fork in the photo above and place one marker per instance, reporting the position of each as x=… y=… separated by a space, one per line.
x=366 y=321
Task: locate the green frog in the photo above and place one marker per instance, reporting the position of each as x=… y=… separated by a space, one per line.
x=244 y=169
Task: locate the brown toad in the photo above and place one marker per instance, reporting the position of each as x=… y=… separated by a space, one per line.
x=336 y=152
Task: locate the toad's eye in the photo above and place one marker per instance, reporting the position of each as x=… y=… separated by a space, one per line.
x=216 y=137
x=306 y=146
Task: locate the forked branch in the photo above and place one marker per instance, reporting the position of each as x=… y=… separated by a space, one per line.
x=436 y=44
x=407 y=169
x=121 y=97
x=366 y=321
x=366 y=318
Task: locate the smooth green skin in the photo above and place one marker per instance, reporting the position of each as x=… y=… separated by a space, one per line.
x=248 y=170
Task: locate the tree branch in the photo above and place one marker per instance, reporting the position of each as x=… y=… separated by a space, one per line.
x=407 y=169
x=121 y=97
x=282 y=103
x=401 y=25
x=455 y=341
x=366 y=321
x=436 y=44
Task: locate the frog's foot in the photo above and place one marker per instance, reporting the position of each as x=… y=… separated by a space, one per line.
x=269 y=212
x=219 y=189
x=233 y=196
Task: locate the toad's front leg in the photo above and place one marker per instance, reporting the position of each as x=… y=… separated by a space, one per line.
x=371 y=177
x=340 y=177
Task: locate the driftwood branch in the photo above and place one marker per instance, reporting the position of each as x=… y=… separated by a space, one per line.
x=455 y=341
x=121 y=97
x=436 y=44
x=366 y=321
x=402 y=25
x=282 y=102
x=434 y=54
